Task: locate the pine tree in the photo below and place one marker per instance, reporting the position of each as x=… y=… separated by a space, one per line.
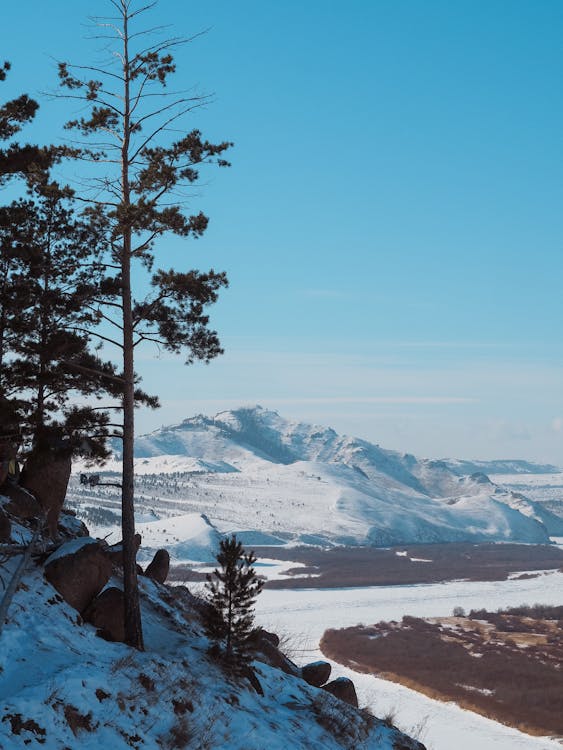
x=139 y=197
x=232 y=592
x=15 y=159
x=47 y=306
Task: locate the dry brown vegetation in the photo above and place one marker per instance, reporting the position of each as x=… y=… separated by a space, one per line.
x=505 y=665
x=370 y=566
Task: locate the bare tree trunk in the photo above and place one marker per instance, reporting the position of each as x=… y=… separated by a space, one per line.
x=133 y=626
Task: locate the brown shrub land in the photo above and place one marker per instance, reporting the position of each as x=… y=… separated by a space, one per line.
x=427 y=563
x=487 y=662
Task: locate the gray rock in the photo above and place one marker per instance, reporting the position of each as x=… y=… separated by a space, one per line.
x=106 y=613
x=344 y=689
x=316 y=673
x=78 y=571
x=159 y=567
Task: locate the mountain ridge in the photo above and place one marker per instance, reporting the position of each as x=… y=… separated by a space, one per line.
x=253 y=472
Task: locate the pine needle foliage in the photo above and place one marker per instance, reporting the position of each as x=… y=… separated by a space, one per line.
x=232 y=590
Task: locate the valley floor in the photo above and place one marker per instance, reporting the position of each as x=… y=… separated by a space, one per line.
x=304 y=615
x=414 y=564
x=506 y=666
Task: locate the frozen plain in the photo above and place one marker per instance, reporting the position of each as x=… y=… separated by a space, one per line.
x=303 y=616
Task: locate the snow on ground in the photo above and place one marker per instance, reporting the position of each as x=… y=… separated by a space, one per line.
x=250 y=471
x=303 y=615
x=61 y=686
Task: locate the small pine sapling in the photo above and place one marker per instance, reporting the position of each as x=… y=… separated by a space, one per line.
x=232 y=591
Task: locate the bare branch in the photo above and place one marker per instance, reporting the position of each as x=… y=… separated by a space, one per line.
x=163 y=127
x=91 y=371
x=98 y=335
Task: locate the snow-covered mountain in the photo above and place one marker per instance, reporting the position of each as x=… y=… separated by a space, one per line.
x=275 y=481
x=502 y=466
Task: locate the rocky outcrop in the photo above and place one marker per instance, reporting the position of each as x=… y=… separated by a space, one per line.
x=115 y=551
x=22 y=504
x=270 y=654
x=106 y=613
x=344 y=689
x=159 y=567
x=70 y=525
x=273 y=638
x=316 y=673
x=78 y=570
x=46 y=475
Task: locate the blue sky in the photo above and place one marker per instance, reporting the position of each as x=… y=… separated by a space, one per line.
x=391 y=225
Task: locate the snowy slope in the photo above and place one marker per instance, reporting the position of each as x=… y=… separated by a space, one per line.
x=279 y=481
x=61 y=686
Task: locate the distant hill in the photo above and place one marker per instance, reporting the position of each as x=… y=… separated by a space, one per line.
x=252 y=471
x=500 y=466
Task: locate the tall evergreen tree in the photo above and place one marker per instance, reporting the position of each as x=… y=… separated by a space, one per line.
x=232 y=592
x=47 y=307
x=16 y=159
x=140 y=196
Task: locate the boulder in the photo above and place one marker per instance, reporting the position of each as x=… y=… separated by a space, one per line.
x=271 y=637
x=78 y=570
x=70 y=525
x=106 y=613
x=115 y=552
x=158 y=568
x=344 y=689
x=5 y=528
x=46 y=475
x=22 y=504
x=269 y=654
x=316 y=673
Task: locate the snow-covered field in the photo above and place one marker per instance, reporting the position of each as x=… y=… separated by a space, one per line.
x=303 y=615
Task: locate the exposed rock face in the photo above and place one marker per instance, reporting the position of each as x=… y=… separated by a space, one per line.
x=5 y=528
x=106 y=613
x=273 y=638
x=269 y=654
x=23 y=504
x=78 y=570
x=71 y=526
x=115 y=552
x=344 y=689
x=158 y=568
x=46 y=475
x=316 y=673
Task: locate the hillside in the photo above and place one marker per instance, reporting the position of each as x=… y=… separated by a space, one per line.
x=275 y=481
x=62 y=686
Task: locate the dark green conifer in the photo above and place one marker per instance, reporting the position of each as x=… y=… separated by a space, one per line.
x=232 y=591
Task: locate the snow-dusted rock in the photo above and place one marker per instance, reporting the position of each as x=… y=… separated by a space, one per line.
x=46 y=476
x=343 y=689
x=159 y=567
x=106 y=612
x=78 y=570
x=316 y=673
x=115 y=551
x=18 y=502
